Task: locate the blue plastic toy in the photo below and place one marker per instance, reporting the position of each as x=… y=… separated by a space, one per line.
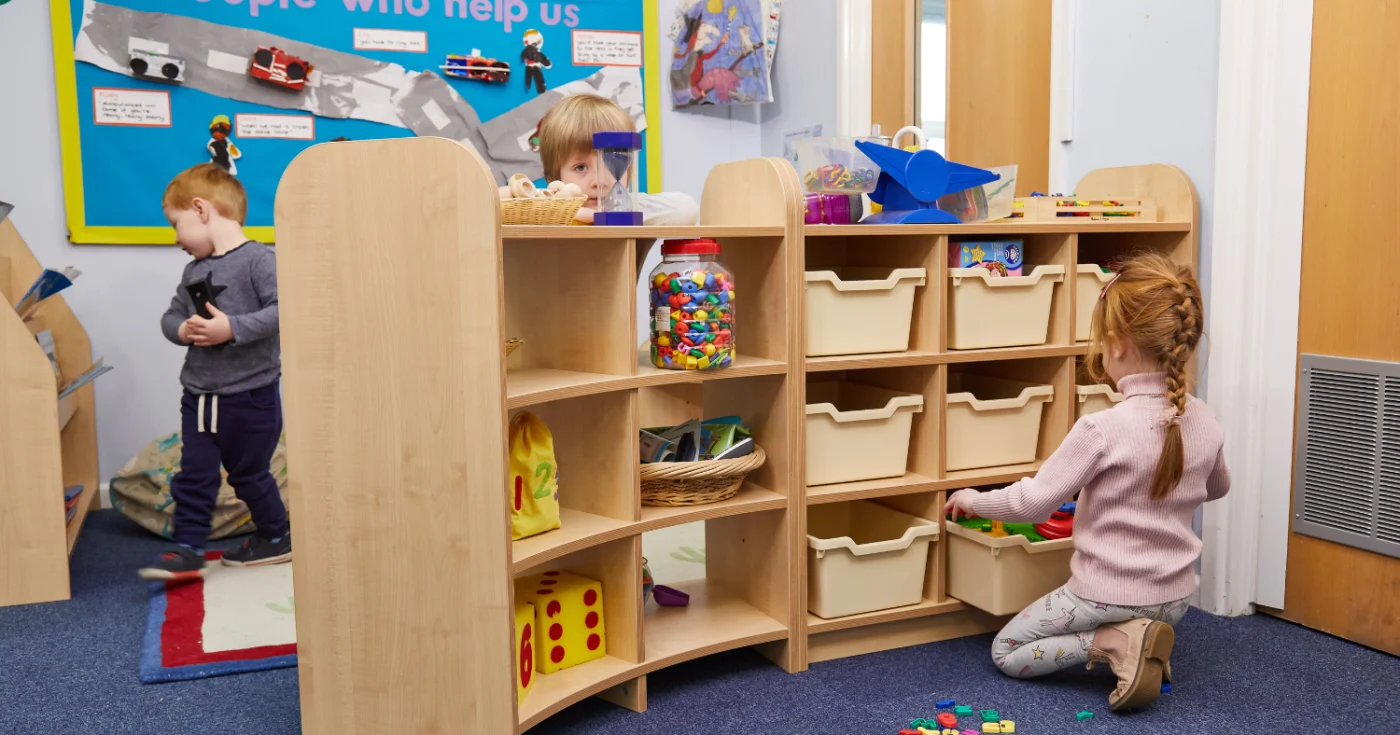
x=911 y=182
x=1068 y=508
x=945 y=703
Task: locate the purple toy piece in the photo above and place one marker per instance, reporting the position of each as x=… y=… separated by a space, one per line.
x=669 y=596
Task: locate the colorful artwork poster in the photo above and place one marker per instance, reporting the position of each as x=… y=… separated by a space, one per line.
x=148 y=88
x=723 y=51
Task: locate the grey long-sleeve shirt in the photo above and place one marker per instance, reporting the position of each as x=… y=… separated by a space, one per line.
x=244 y=284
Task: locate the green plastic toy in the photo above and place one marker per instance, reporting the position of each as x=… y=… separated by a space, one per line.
x=1085 y=715
x=962 y=710
x=991 y=715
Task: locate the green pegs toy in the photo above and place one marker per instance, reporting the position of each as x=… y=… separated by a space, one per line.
x=962 y=710
x=1084 y=715
x=991 y=715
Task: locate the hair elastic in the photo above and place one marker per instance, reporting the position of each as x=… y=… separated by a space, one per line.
x=1111 y=281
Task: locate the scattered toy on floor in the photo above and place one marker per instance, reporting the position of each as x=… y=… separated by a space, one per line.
x=944 y=704
x=947 y=719
x=990 y=715
x=1084 y=715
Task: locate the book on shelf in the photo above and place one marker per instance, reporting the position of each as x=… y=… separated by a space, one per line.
x=45 y=340
x=71 y=495
x=47 y=284
x=97 y=370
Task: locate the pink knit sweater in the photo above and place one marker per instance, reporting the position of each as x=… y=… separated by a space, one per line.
x=1128 y=548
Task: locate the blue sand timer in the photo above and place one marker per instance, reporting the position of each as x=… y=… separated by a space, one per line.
x=616 y=170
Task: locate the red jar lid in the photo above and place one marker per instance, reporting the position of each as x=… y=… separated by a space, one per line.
x=700 y=246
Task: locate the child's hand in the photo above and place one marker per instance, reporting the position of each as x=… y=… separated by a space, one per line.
x=961 y=501
x=585 y=215
x=210 y=332
x=186 y=335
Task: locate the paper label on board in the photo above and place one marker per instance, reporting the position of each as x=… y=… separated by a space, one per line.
x=230 y=63
x=286 y=127
x=435 y=114
x=134 y=44
x=607 y=48
x=139 y=107
x=382 y=39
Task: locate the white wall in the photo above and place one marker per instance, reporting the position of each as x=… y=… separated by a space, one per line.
x=1145 y=92
x=124 y=290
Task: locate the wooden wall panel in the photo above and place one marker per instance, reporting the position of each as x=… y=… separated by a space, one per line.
x=1350 y=218
x=894 y=56
x=999 y=87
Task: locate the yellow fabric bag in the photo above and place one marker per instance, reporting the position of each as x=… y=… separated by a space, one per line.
x=533 y=485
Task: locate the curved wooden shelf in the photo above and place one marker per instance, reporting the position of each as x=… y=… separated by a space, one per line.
x=529 y=386
x=714 y=621
x=649 y=375
x=577 y=531
x=751 y=499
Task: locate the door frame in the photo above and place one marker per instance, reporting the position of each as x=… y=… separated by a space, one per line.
x=1256 y=264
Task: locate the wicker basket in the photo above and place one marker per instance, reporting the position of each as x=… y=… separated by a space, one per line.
x=540 y=211
x=697 y=483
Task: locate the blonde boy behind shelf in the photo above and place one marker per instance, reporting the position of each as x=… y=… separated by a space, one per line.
x=566 y=151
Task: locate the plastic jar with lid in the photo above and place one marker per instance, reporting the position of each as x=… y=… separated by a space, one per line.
x=692 y=307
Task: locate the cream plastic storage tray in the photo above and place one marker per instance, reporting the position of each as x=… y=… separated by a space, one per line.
x=1089 y=280
x=862 y=557
x=1095 y=398
x=992 y=421
x=857 y=432
x=990 y=311
x=1004 y=575
x=854 y=311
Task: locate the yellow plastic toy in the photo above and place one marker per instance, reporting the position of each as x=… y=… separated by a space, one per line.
x=998 y=530
x=524 y=650
x=533 y=484
x=1008 y=727
x=568 y=619
x=991 y=727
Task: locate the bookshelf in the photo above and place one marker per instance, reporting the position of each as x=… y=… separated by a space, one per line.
x=397 y=415
x=45 y=444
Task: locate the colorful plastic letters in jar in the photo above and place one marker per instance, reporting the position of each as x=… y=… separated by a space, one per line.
x=692 y=307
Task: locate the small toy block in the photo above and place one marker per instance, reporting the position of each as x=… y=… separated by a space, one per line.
x=969 y=732
x=944 y=704
x=1085 y=715
x=947 y=719
x=569 y=627
x=991 y=727
x=991 y=715
x=907 y=731
x=1166 y=688
x=949 y=731
x=926 y=731
x=1008 y=727
x=962 y=710
x=524 y=650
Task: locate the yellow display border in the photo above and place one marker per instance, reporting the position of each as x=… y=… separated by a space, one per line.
x=70 y=144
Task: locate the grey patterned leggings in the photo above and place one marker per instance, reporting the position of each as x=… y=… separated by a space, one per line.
x=1055 y=632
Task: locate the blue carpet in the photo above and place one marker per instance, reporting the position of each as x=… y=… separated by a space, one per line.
x=71 y=667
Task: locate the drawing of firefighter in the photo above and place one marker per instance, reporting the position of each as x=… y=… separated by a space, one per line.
x=534 y=60
x=222 y=151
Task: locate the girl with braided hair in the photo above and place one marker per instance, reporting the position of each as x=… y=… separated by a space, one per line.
x=1141 y=470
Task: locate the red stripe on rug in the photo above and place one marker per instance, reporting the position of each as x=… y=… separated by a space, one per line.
x=182 y=633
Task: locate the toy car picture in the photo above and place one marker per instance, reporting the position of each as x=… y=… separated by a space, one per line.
x=275 y=66
x=475 y=66
x=150 y=65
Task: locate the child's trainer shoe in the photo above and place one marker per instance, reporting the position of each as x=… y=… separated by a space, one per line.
x=258 y=551
x=180 y=563
x=1137 y=651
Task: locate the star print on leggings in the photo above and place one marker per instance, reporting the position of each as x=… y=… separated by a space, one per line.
x=1039 y=654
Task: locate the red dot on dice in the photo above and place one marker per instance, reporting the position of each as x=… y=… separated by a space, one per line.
x=590 y=597
x=551 y=574
x=556 y=632
x=591 y=620
x=552 y=608
x=557 y=654
x=544 y=591
x=548 y=582
x=594 y=641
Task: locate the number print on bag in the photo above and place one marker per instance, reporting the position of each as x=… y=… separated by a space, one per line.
x=519 y=491
x=543 y=472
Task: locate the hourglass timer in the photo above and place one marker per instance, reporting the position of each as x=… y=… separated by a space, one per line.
x=617 y=178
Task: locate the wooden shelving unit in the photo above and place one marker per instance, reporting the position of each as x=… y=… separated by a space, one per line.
x=397 y=413
x=45 y=444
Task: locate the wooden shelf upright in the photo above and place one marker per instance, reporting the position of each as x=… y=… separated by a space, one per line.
x=397 y=412
x=45 y=444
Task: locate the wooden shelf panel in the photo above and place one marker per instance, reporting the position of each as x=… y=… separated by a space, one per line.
x=1014 y=353
x=987 y=476
x=751 y=499
x=908 y=483
x=649 y=375
x=923 y=608
x=528 y=386
x=860 y=362
x=714 y=621
x=557 y=232
x=554 y=692
x=996 y=228
x=577 y=531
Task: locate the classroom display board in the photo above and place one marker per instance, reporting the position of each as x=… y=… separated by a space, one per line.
x=147 y=88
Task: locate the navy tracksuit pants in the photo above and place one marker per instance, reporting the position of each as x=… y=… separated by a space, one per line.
x=239 y=432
